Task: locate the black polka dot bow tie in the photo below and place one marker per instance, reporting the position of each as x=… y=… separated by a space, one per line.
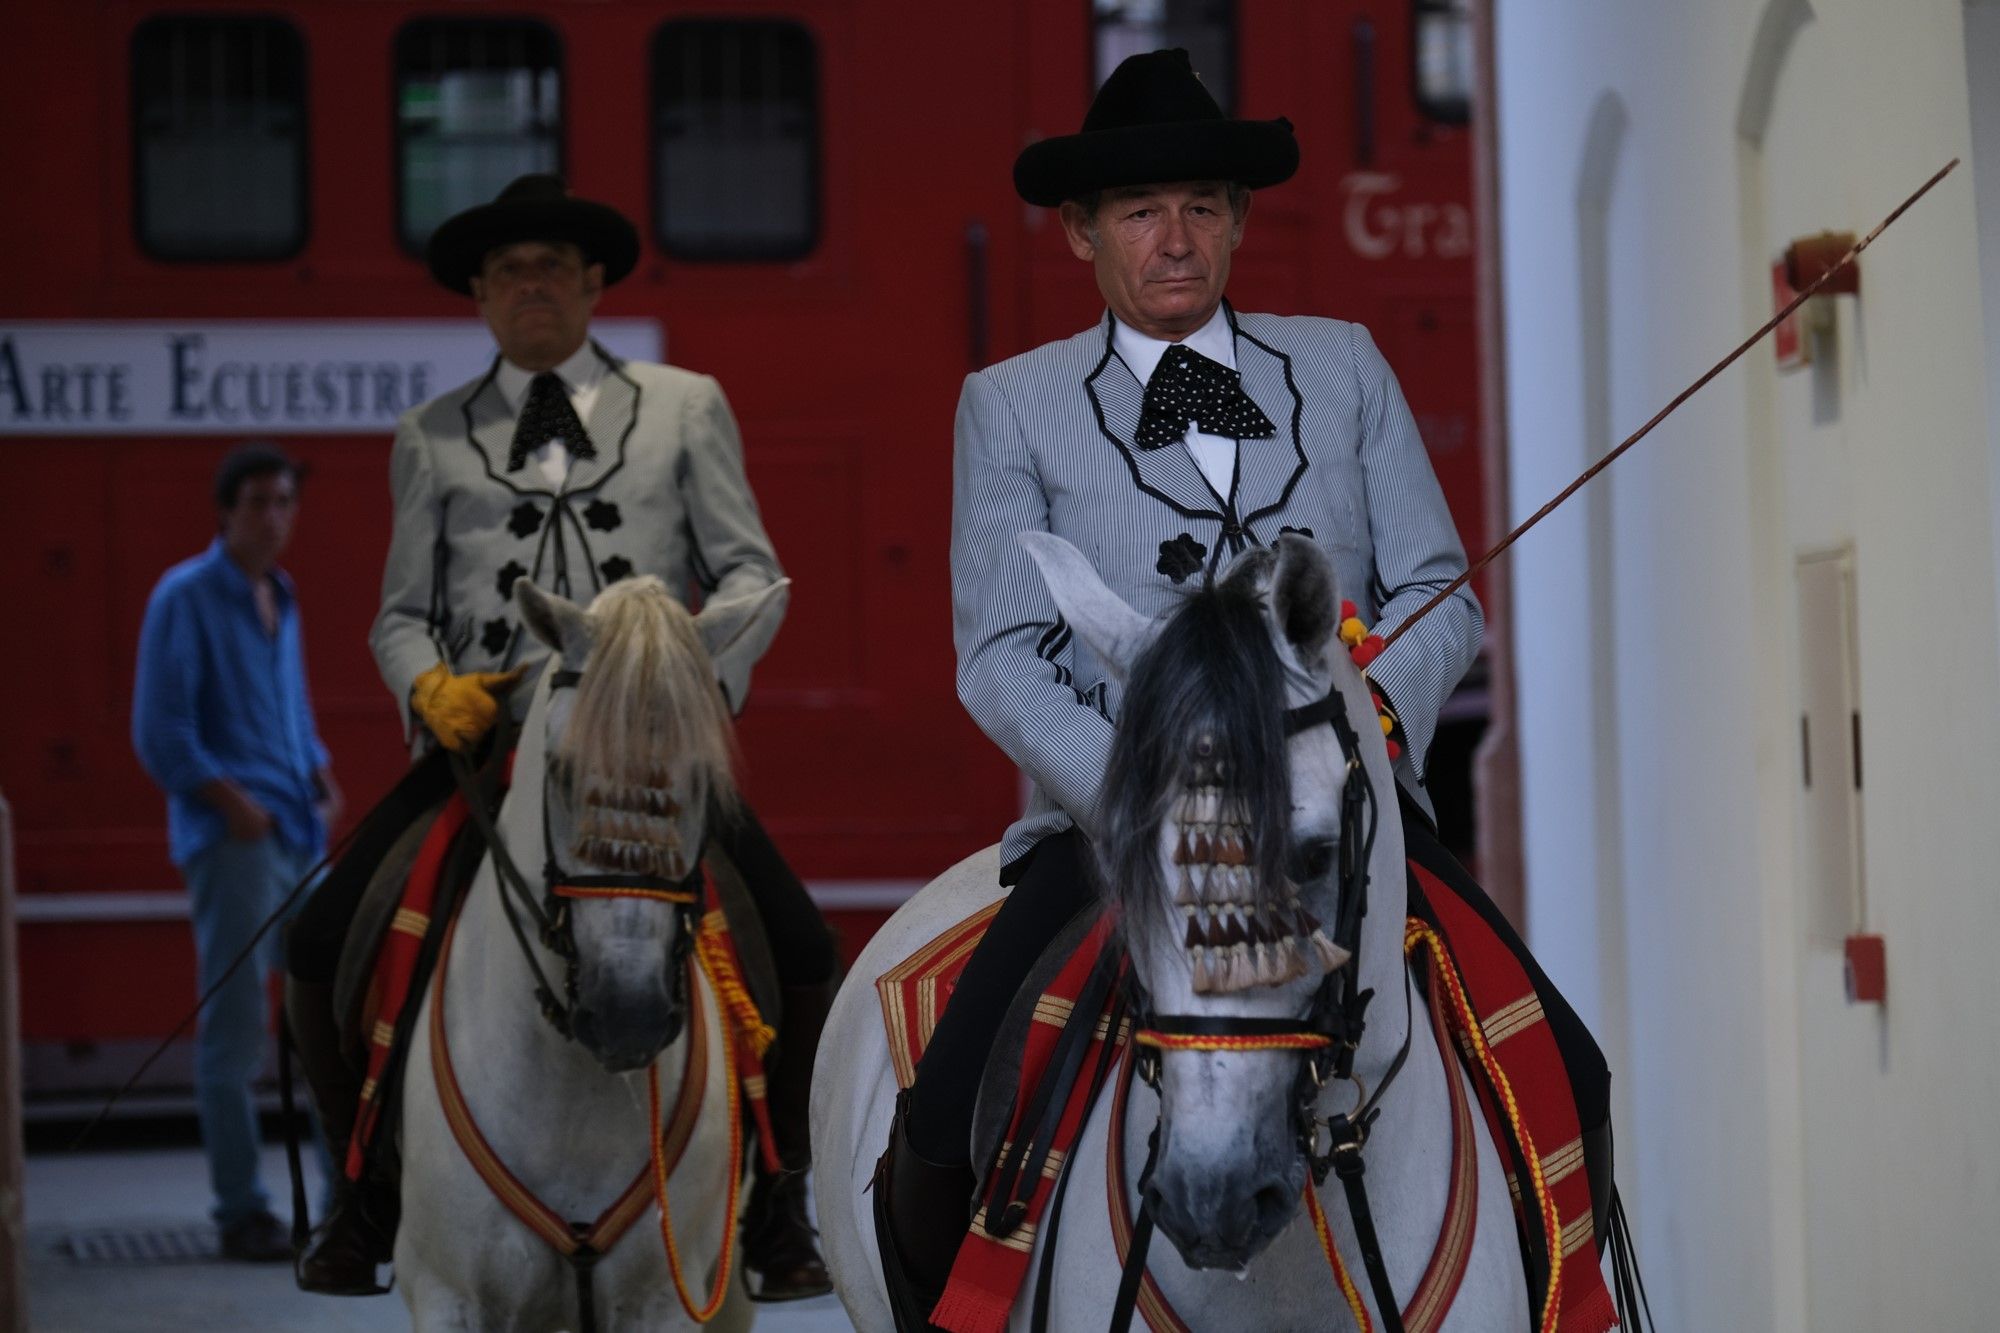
x=1189 y=387
x=548 y=415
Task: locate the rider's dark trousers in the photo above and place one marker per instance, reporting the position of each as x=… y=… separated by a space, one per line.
x=1053 y=886
x=801 y=945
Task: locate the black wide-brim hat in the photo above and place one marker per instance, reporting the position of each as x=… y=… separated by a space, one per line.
x=532 y=208
x=1151 y=122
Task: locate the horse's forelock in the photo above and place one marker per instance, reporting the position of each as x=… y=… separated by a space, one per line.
x=648 y=698
x=1210 y=674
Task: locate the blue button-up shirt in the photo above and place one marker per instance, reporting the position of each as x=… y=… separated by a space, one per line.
x=217 y=697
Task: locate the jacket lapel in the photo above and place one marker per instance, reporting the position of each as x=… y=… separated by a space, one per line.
x=489 y=428
x=612 y=415
x=1168 y=474
x=1267 y=470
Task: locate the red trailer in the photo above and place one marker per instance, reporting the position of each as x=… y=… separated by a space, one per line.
x=216 y=216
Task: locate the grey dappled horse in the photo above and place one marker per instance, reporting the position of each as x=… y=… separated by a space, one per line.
x=1227 y=1185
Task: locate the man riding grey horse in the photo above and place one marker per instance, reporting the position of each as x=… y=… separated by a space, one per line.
x=1173 y=434
x=574 y=469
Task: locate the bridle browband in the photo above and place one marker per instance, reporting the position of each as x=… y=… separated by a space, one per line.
x=1328 y=1035
x=550 y=911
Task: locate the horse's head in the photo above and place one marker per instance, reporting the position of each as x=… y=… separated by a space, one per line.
x=1218 y=841
x=638 y=754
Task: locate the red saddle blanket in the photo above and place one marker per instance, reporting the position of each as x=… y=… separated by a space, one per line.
x=1531 y=1112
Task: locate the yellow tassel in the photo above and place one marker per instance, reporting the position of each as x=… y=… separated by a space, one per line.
x=711 y=944
x=1388 y=724
x=1352 y=632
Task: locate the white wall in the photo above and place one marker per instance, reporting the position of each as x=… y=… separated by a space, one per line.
x=1795 y=1162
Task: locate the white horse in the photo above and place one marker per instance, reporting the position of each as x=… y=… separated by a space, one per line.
x=1228 y=1180
x=615 y=774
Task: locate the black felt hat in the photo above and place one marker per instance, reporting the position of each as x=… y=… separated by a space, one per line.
x=1153 y=121
x=532 y=208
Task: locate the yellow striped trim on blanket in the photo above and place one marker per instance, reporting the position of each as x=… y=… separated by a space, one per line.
x=1510 y=1019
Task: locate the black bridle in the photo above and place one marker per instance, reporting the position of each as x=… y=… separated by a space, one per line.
x=549 y=911
x=1328 y=1035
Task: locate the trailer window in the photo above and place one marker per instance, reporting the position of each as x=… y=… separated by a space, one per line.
x=219 y=138
x=478 y=102
x=1441 y=47
x=735 y=139
x=1205 y=28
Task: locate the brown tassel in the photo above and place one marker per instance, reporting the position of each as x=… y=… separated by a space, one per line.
x=1241 y=975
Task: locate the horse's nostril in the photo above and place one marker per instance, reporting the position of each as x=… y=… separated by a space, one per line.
x=1274 y=1206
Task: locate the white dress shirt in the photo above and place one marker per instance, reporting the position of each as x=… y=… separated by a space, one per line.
x=1215 y=455
x=581 y=375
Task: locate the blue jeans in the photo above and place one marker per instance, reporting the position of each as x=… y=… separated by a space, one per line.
x=233 y=886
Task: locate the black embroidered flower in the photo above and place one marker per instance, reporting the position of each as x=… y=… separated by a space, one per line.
x=1307 y=533
x=1181 y=557
x=509 y=572
x=616 y=568
x=527 y=519
x=495 y=637
x=601 y=515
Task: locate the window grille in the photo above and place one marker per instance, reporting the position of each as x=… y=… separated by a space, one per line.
x=735 y=139
x=478 y=103
x=219 y=138
x=1206 y=29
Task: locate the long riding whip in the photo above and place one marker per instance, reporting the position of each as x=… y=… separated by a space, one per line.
x=306 y=881
x=1666 y=411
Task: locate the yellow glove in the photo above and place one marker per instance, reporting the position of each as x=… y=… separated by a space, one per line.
x=460 y=709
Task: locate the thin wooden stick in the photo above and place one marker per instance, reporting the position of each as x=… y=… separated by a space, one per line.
x=1666 y=411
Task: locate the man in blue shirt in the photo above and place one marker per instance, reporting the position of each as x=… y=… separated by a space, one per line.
x=222 y=720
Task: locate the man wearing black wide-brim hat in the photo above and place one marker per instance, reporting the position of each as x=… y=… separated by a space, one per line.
x=572 y=468
x=1175 y=433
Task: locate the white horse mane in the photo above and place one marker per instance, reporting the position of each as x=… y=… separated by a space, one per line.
x=648 y=705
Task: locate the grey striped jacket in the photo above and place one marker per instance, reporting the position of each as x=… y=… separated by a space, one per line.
x=1044 y=441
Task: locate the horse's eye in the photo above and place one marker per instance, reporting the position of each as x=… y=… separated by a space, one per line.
x=1312 y=859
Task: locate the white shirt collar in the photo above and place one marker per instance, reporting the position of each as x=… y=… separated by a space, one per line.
x=1214 y=340
x=580 y=374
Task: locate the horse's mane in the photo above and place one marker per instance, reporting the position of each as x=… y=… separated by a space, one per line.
x=1204 y=707
x=649 y=698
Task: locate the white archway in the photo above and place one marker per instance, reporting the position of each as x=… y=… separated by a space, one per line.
x=1610 y=1008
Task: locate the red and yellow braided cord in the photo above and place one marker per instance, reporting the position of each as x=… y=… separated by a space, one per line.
x=725 y=1261
x=1279 y=1041
x=1416 y=932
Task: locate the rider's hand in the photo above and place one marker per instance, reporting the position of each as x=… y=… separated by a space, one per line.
x=461 y=709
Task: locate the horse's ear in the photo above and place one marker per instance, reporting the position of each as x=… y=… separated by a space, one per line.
x=1302 y=597
x=737 y=630
x=1114 y=631
x=556 y=621
x=1249 y=573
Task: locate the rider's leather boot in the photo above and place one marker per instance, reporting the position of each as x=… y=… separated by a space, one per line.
x=781 y=1258
x=922 y=1209
x=351 y=1241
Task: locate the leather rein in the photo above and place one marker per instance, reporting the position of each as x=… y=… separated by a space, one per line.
x=1327 y=1037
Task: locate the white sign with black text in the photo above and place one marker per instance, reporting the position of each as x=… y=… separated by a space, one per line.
x=230 y=377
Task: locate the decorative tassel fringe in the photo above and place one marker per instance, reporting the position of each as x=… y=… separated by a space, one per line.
x=966 y=1309
x=719 y=961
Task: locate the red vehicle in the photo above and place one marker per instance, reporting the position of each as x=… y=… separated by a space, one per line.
x=215 y=233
